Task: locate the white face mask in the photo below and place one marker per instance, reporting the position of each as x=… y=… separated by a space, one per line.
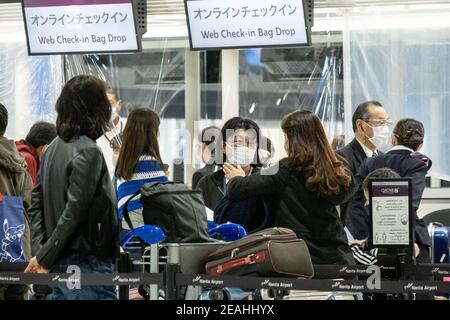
x=380 y=136
x=242 y=156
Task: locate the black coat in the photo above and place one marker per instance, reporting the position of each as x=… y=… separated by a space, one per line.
x=212 y=186
x=314 y=218
x=353 y=154
x=73 y=206
x=200 y=173
x=414 y=166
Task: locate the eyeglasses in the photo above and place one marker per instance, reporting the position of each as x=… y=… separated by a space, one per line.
x=380 y=122
x=241 y=142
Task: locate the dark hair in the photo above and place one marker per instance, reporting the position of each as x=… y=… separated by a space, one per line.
x=139 y=137
x=409 y=133
x=41 y=133
x=83 y=108
x=310 y=153
x=237 y=123
x=3 y=119
x=381 y=173
x=361 y=111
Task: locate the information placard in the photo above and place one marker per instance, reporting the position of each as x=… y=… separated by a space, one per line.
x=243 y=24
x=390 y=211
x=80 y=26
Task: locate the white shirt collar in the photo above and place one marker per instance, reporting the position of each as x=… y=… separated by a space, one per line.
x=366 y=150
x=400 y=147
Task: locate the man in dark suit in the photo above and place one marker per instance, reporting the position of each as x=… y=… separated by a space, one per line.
x=370 y=125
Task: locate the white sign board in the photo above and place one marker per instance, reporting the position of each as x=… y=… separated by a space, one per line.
x=78 y=26
x=390 y=213
x=249 y=23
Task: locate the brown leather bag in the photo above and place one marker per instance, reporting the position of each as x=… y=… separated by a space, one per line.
x=271 y=252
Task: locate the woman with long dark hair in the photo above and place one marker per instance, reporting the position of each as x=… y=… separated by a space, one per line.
x=305 y=188
x=73 y=210
x=139 y=161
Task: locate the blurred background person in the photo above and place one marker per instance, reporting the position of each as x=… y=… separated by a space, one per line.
x=207 y=139
x=266 y=152
x=33 y=146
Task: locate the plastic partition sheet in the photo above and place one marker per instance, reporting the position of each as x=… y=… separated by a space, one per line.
x=29 y=86
x=403 y=62
x=276 y=81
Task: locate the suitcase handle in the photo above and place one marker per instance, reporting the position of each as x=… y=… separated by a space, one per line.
x=250 y=259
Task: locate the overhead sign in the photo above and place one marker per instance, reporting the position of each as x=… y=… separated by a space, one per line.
x=249 y=23
x=80 y=26
x=391 y=214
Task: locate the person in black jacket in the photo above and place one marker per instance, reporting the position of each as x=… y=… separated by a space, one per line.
x=403 y=158
x=238 y=145
x=73 y=210
x=371 y=127
x=207 y=150
x=305 y=188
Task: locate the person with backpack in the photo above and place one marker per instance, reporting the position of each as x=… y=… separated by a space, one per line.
x=14 y=181
x=73 y=211
x=304 y=188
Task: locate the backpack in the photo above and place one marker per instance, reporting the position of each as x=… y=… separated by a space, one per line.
x=177 y=210
x=253 y=214
x=12 y=220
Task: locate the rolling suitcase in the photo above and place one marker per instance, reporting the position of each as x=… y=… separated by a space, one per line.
x=270 y=252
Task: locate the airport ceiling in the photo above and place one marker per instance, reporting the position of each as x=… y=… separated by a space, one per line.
x=172 y=11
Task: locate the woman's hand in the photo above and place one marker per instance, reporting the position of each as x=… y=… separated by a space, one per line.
x=231 y=171
x=35 y=267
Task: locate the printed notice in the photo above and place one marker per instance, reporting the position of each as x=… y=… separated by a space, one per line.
x=71 y=26
x=250 y=23
x=390 y=213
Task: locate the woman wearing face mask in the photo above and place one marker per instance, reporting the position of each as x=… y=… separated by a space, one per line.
x=238 y=146
x=403 y=158
x=305 y=188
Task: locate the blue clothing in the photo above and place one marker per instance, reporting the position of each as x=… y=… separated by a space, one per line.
x=147 y=170
x=87 y=264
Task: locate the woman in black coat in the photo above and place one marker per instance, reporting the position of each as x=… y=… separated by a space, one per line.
x=305 y=188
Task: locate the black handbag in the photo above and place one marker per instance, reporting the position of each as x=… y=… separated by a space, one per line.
x=177 y=210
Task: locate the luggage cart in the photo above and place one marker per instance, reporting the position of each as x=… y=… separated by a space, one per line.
x=190 y=257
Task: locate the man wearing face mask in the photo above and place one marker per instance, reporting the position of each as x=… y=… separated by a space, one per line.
x=241 y=140
x=371 y=127
x=111 y=141
x=239 y=147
